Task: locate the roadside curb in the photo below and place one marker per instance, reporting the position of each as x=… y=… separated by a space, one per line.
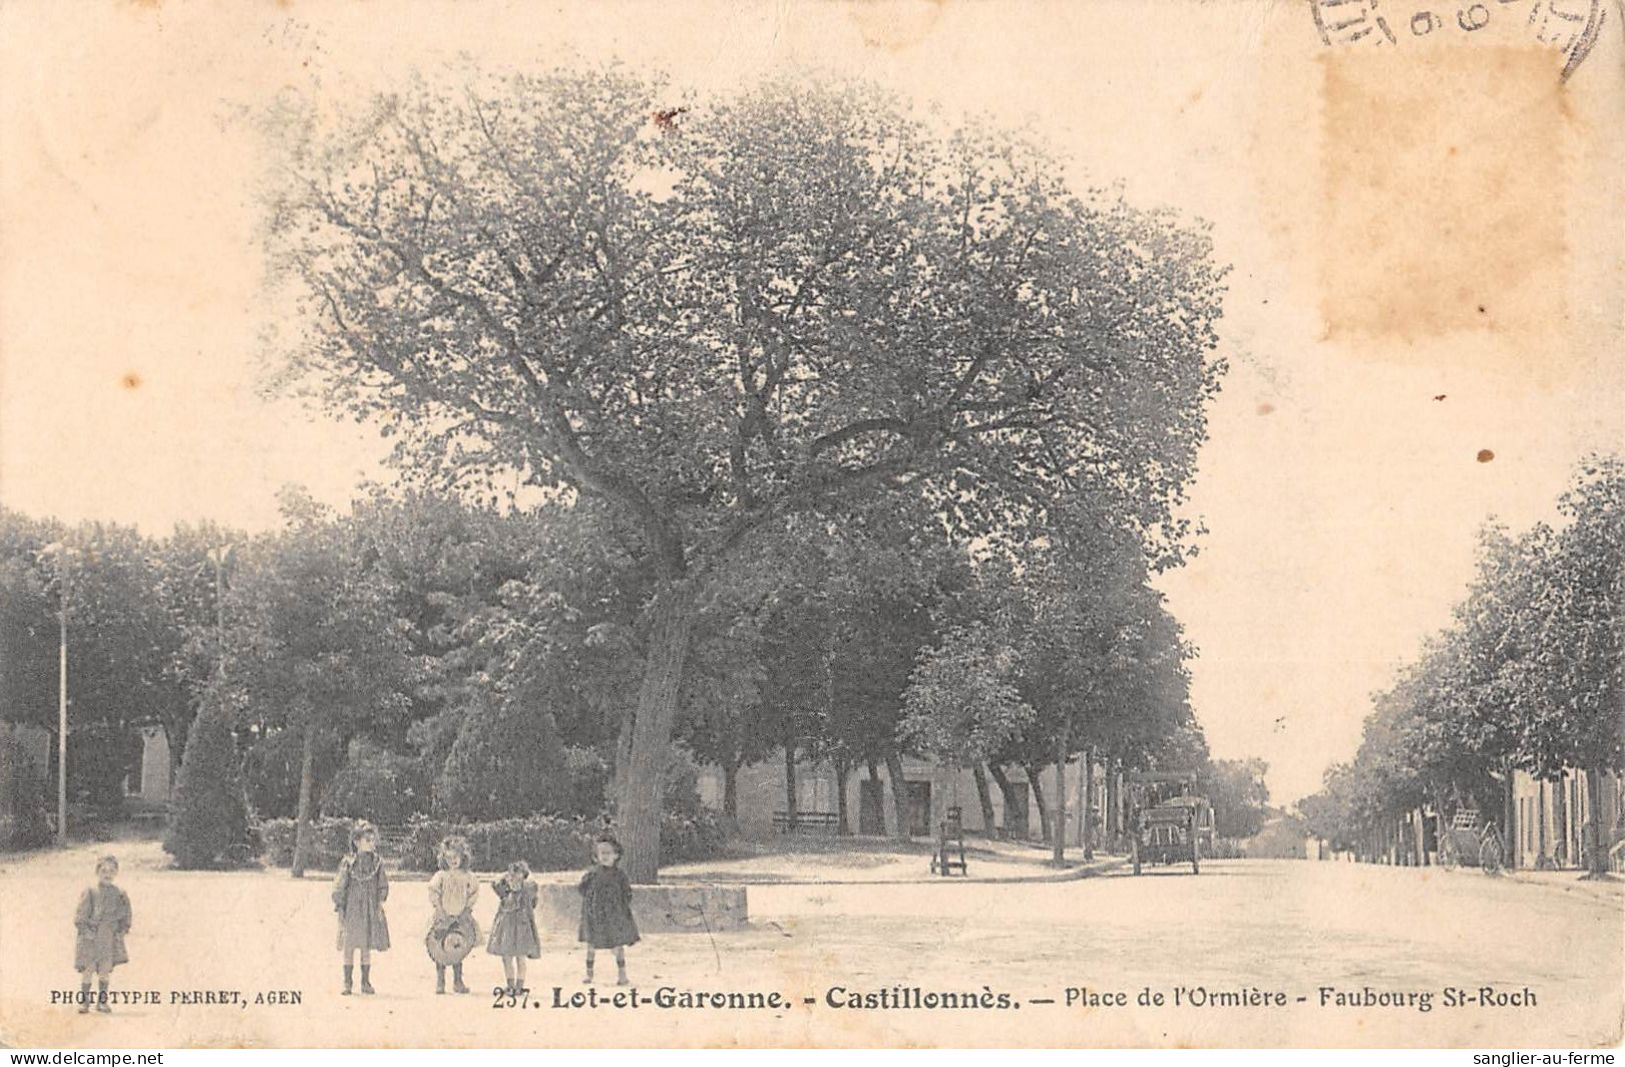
x=1092 y=870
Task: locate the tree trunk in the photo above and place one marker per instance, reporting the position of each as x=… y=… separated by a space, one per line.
x=1441 y=825
x=1114 y=803
x=843 y=826
x=1007 y=789
x=1086 y=806
x=1598 y=860
x=730 y=790
x=1058 y=855
x=175 y=734
x=1002 y=780
x=899 y=794
x=1037 y=789
x=1509 y=822
x=874 y=776
x=307 y=775
x=1562 y=832
x=1543 y=859
x=790 y=787
x=623 y=758
x=639 y=815
x=989 y=828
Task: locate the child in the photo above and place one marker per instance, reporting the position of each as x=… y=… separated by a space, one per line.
x=606 y=907
x=102 y=921
x=513 y=931
x=359 y=893
x=452 y=891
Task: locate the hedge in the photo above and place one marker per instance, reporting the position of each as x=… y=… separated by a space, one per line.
x=550 y=843
x=545 y=842
x=378 y=785
x=689 y=839
x=22 y=799
x=330 y=839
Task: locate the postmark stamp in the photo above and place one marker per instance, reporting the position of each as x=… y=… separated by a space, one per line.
x=1570 y=26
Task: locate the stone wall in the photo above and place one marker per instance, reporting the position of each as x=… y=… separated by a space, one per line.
x=657 y=909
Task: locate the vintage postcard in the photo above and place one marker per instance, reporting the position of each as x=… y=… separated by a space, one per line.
x=890 y=523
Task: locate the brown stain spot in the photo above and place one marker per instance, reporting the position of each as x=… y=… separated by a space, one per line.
x=666 y=119
x=150 y=5
x=132 y=380
x=1485 y=455
x=1266 y=408
x=1441 y=190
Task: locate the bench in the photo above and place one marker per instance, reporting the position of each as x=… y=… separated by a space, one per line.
x=804 y=822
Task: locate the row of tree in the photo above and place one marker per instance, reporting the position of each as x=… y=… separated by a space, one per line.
x=422 y=656
x=1529 y=677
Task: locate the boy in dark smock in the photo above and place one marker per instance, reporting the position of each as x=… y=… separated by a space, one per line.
x=606 y=907
x=100 y=923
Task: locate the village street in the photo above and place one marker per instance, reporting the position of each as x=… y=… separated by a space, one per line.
x=1241 y=933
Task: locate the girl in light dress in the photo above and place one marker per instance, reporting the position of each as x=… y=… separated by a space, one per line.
x=452 y=891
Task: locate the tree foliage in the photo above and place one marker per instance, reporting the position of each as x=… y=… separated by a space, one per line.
x=209 y=808
x=1239 y=796
x=962 y=703
x=1528 y=677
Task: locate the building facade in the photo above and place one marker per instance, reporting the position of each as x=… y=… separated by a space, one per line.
x=1552 y=819
x=154 y=775
x=762 y=791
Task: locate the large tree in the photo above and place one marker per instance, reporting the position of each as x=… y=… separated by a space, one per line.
x=1573 y=634
x=317 y=650
x=122 y=643
x=712 y=318
x=194 y=565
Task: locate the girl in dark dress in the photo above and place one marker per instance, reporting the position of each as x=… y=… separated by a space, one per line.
x=606 y=907
x=359 y=893
x=513 y=931
x=101 y=921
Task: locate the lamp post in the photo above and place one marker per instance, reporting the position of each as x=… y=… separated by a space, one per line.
x=61 y=553
x=220 y=556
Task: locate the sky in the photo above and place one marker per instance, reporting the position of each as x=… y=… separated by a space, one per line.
x=1343 y=481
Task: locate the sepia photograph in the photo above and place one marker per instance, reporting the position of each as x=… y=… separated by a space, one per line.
x=882 y=524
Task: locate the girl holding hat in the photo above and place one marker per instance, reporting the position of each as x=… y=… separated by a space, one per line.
x=452 y=891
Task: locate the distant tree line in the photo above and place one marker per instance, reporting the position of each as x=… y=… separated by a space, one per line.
x=1528 y=677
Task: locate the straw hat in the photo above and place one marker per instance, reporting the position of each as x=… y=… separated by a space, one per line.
x=450 y=945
